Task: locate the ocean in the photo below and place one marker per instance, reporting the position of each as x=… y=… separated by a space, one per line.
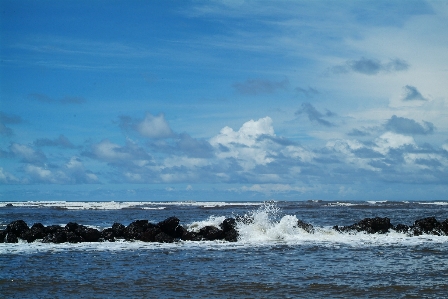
x=272 y=258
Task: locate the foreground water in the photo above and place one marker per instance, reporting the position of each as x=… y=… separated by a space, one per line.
x=272 y=259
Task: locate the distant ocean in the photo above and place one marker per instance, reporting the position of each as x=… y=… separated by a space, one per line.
x=272 y=258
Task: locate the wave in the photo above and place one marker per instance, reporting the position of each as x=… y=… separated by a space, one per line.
x=118 y=205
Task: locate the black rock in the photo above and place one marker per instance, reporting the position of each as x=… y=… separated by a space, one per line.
x=134 y=230
x=428 y=225
x=3 y=234
x=72 y=237
x=56 y=237
x=368 y=225
x=149 y=235
x=118 y=230
x=228 y=224
x=52 y=229
x=163 y=238
x=37 y=231
x=17 y=227
x=402 y=228
x=71 y=226
x=305 y=226
x=88 y=234
x=169 y=226
x=11 y=238
x=231 y=235
x=212 y=233
x=191 y=236
x=108 y=235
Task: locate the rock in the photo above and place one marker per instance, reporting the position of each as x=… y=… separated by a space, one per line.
x=88 y=234
x=368 y=225
x=170 y=227
x=3 y=234
x=11 y=238
x=17 y=227
x=37 y=231
x=149 y=235
x=118 y=230
x=428 y=225
x=108 y=234
x=56 y=237
x=163 y=238
x=402 y=228
x=71 y=226
x=191 y=236
x=135 y=229
x=72 y=237
x=228 y=224
x=305 y=226
x=212 y=233
x=231 y=235
x=51 y=229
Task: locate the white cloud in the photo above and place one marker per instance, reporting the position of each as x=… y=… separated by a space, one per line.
x=245 y=145
x=154 y=127
x=7 y=178
x=391 y=140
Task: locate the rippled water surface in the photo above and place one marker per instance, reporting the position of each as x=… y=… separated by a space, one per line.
x=271 y=260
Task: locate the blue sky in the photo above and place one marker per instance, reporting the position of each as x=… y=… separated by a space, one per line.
x=223 y=100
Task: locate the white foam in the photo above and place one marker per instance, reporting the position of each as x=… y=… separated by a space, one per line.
x=437 y=203
x=118 y=205
x=211 y=221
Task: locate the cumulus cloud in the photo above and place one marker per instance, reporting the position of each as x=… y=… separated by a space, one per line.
x=390 y=140
x=260 y=86
x=113 y=153
x=368 y=66
x=61 y=141
x=7 y=178
x=67 y=100
x=154 y=127
x=26 y=153
x=242 y=145
x=314 y=115
x=404 y=125
x=410 y=93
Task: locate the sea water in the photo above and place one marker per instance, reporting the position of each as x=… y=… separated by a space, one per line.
x=273 y=258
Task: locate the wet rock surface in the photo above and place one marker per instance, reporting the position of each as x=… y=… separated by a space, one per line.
x=166 y=231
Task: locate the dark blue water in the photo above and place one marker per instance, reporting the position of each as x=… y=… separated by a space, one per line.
x=271 y=260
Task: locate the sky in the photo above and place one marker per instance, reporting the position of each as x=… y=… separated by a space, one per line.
x=223 y=100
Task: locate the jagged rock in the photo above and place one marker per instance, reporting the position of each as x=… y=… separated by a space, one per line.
x=135 y=229
x=51 y=229
x=72 y=237
x=170 y=227
x=17 y=227
x=56 y=237
x=231 y=235
x=3 y=234
x=190 y=236
x=430 y=226
x=368 y=225
x=212 y=233
x=88 y=234
x=402 y=228
x=71 y=226
x=163 y=238
x=309 y=228
x=149 y=235
x=108 y=234
x=118 y=229
x=228 y=224
x=11 y=238
x=37 y=231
